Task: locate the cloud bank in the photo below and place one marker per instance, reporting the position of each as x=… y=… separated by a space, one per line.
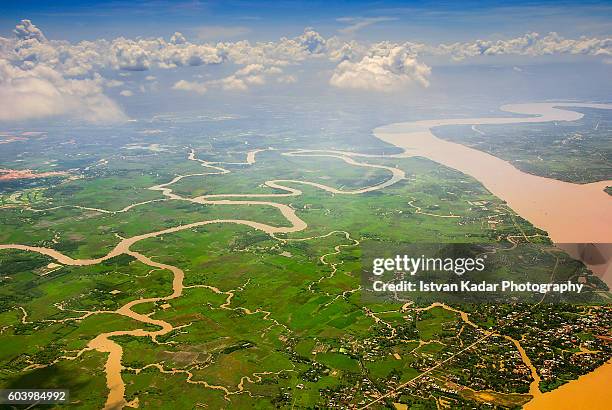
x=41 y=78
x=531 y=44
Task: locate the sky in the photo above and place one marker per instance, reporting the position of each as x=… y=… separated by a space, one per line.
x=405 y=20
x=419 y=20
x=97 y=61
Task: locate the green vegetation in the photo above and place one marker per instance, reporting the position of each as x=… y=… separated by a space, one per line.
x=266 y=321
x=22 y=198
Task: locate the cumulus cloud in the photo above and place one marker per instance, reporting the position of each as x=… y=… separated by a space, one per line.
x=341 y=51
x=530 y=44
x=44 y=78
x=178 y=38
x=242 y=79
x=232 y=83
x=28 y=31
x=387 y=68
x=194 y=86
x=30 y=47
x=286 y=51
x=42 y=92
x=62 y=78
x=130 y=56
x=311 y=41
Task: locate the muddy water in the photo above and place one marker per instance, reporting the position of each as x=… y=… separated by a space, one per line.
x=534 y=386
x=570 y=213
x=588 y=392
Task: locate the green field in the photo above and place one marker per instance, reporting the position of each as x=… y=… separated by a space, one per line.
x=263 y=321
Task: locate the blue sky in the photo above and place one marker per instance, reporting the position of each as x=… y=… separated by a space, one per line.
x=266 y=20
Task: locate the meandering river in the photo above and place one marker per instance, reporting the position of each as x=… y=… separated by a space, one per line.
x=104 y=343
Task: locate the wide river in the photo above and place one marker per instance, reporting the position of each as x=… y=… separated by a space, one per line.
x=588 y=392
x=570 y=213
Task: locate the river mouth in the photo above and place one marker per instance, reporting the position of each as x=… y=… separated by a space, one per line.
x=570 y=213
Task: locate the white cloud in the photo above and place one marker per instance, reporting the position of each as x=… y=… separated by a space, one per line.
x=130 y=56
x=126 y=93
x=311 y=41
x=530 y=44
x=386 y=68
x=42 y=92
x=28 y=31
x=45 y=72
x=250 y=69
x=284 y=52
x=188 y=54
x=241 y=80
x=30 y=47
x=178 y=38
x=250 y=75
x=194 y=86
x=232 y=83
x=341 y=51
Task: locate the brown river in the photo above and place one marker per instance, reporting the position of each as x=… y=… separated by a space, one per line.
x=588 y=392
x=570 y=213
